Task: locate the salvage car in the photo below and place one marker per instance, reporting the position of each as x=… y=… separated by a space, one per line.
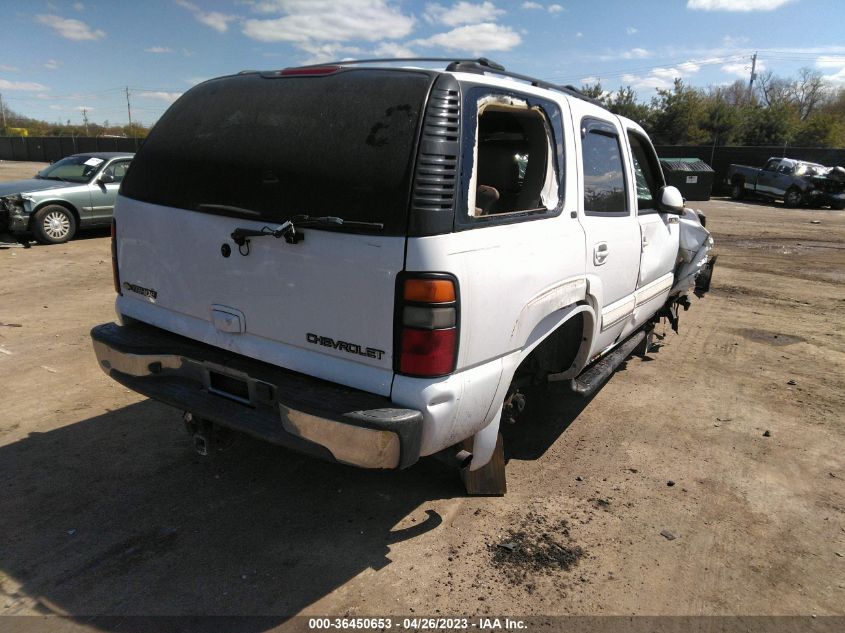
x=369 y=263
x=73 y=193
x=796 y=182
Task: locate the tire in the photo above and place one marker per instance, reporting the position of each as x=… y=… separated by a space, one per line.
x=53 y=224
x=737 y=190
x=793 y=197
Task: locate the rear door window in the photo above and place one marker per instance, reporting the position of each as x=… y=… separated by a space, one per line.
x=604 y=175
x=275 y=147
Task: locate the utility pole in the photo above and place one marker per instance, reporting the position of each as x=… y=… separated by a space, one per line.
x=3 y=111
x=85 y=119
x=753 y=74
x=128 y=108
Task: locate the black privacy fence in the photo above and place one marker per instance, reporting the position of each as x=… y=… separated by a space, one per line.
x=52 y=148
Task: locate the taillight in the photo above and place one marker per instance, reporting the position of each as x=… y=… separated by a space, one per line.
x=115 y=273
x=427 y=328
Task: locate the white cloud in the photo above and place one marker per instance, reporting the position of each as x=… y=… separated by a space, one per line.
x=53 y=106
x=830 y=61
x=393 y=49
x=21 y=85
x=589 y=80
x=531 y=5
x=212 y=19
x=476 y=38
x=52 y=64
x=193 y=81
x=661 y=77
x=9 y=69
x=555 y=8
x=81 y=108
x=170 y=97
x=331 y=21
x=71 y=29
x=838 y=78
x=735 y=5
x=631 y=30
x=462 y=13
x=579 y=34
x=684 y=70
x=836 y=62
x=743 y=69
x=158 y=49
x=636 y=53
x=327 y=52
x=79 y=6
x=645 y=83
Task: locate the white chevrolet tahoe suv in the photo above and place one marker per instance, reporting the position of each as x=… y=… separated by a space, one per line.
x=365 y=262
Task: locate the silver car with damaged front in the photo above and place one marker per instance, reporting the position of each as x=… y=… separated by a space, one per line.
x=76 y=192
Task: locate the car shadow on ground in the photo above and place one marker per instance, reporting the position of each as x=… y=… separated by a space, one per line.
x=115 y=515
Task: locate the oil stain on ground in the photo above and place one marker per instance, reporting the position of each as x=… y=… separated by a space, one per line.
x=772 y=338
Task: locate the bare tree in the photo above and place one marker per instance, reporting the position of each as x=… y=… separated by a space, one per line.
x=805 y=94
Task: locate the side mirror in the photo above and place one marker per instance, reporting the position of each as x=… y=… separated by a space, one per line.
x=104 y=179
x=671 y=200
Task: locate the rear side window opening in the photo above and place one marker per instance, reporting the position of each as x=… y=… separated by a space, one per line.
x=512 y=162
x=339 y=145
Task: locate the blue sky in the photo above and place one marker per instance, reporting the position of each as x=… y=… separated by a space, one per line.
x=60 y=57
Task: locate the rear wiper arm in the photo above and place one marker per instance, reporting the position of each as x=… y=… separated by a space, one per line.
x=287 y=230
x=331 y=220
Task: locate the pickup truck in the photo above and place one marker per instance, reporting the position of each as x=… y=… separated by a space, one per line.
x=367 y=263
x=796 y=182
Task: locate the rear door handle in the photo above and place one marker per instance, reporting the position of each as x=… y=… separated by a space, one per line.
x=600 y=253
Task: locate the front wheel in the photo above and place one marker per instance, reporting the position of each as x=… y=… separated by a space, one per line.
x=738 y=190
x=793 y=197
x=53 y=225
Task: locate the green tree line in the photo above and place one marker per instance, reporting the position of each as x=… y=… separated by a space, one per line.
x=16 y=122
x=803 y=111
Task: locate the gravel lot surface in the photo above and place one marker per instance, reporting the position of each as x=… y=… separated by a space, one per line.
x=105 y=510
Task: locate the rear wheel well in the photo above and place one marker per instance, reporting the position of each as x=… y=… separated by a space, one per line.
x=555 y=354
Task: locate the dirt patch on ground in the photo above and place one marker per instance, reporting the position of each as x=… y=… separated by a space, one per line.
x=537 y=546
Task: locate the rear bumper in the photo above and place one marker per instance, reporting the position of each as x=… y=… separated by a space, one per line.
x=305 y=414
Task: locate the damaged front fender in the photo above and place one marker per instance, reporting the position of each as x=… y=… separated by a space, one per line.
x=14 y=213
x=695 y=245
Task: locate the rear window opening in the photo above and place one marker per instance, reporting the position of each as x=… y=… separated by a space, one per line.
x=341 y=144
x=514 y=168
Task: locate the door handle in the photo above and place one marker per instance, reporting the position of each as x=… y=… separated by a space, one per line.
x=600 y=253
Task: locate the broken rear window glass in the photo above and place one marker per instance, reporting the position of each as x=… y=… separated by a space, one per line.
x=514 y=166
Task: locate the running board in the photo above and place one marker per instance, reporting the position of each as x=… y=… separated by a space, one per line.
x=591 y=380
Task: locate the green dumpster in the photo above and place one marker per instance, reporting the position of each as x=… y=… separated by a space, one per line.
x=692 y=176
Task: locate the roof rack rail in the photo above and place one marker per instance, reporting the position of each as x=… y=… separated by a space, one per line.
x=481 y=61
x=479 y=65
